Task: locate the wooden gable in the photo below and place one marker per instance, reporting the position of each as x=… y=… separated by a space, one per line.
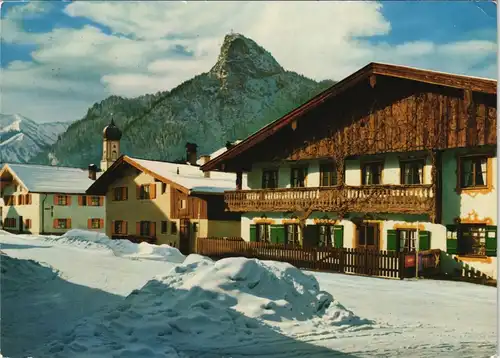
x=390 y=115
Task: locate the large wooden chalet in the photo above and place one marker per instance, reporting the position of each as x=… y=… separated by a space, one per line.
x=382 y=155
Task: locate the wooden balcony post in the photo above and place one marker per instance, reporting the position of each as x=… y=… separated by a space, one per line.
x=436 y=178
x=239 y=180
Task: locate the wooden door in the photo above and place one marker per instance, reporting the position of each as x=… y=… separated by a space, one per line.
x=368 y=243
x=185 y=236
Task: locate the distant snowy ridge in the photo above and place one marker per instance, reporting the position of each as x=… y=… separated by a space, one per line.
x=22 y=138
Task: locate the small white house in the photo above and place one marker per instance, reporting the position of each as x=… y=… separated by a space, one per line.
x=48 y=200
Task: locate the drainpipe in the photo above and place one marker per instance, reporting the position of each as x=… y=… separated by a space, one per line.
x=43 y=214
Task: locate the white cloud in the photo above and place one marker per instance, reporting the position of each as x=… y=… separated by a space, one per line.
x=318 y=39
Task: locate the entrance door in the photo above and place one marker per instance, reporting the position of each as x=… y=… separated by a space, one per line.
x=21 y=223
x=185 y=237
x=368 y=240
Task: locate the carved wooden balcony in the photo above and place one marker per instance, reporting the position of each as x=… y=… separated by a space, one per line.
x=408 y=199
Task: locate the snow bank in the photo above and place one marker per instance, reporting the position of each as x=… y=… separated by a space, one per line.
x=123 y=248
x=203 y=306
x=17 y=275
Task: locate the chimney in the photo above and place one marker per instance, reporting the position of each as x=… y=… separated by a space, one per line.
x=92 y=172
x=191 y=153
x=203 y=160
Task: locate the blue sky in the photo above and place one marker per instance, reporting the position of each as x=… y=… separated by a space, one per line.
x=73 y=54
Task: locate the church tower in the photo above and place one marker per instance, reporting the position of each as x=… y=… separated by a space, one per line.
x=111 y=145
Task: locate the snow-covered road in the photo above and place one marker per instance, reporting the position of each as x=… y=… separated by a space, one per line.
x=411 y=318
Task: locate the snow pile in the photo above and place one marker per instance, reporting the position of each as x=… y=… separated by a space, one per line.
x=122 y=248
x=18 y=275
x=203 y=306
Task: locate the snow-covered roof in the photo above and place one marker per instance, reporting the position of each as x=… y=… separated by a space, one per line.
x=51 y=179
x=191 y=177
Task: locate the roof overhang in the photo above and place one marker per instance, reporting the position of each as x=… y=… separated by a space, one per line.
x=370 y=71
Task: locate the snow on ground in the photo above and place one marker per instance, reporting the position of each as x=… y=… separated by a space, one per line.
x=231 y=308
x=89 y=277
x=123 y=248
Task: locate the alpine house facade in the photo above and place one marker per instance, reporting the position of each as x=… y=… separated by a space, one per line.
x=389 y=158
x=49 y=200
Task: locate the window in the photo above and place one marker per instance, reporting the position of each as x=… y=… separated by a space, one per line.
x=173 y=227
x=407 y=239
x=326 y=236
x=144 y=192
x=183 y=203
x=368 y=236
x=292 y=234
x=163 y=188
x=371 y=173
x=62 y=223
x=412 y=172
x=27 y=224
x=95 y=201
x=298 y=177
x=328 y=174
x=10 y=222
x=120 y=227
x=164 y=227
x=473 y=171
x=472 y=240
x=62 y=200
x=263 y=233
x=82 y=200
x=96 y=223
x=114 y=154
x=145 y=228
x=270 y=179
x=120 y=193
x=20 y=199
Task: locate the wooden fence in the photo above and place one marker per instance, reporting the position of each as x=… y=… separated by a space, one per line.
x=389 y=264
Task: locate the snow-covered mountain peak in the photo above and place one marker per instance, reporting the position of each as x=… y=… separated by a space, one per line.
x=21 y=138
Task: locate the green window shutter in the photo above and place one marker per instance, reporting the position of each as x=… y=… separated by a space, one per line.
x=392 y=240
x=424 y=240
x=253 y=233
x=338 y=236
x=491 y=240
x=278 y=234
x=451 y=244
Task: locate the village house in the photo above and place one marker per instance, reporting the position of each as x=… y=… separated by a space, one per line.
x=390 y=158
x=165 y=202
x=48 y=200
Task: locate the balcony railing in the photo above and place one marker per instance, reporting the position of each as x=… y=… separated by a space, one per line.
x=410 y=199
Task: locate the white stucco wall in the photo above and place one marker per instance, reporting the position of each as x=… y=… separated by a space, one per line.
x=31 y=211
x=79 y=215
x=462 y=204
x=390 y=173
